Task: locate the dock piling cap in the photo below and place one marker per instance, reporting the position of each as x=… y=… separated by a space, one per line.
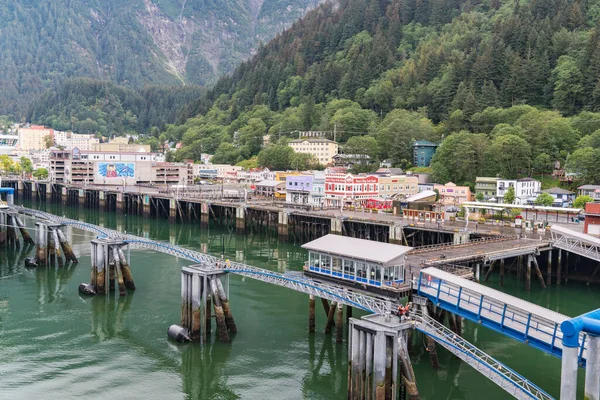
x=589 y=323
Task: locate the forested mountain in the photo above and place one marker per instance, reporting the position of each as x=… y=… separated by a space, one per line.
x=85 y=105
x=398 y=70
x=132 y=43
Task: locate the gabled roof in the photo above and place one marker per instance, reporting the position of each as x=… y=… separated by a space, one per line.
x=359 y=249
x=557 y=190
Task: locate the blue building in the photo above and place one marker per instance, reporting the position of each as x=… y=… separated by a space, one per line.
x=423 y=151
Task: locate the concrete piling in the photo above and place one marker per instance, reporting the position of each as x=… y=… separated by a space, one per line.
x=117 y=267
x=56 y=246
x=41 y=239
x=373 y=354
x=528 y=275
x=311 y=314
x=559 y=267
x=339 y=328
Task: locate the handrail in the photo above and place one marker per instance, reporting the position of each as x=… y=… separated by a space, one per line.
x=459 y=346
x=424 y=248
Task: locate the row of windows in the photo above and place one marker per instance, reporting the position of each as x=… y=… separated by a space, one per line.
x=351 y=188
x=355 y=269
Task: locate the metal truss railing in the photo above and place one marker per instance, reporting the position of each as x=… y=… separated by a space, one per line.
x=340 y=294
x=576 y=245
x=509 y=380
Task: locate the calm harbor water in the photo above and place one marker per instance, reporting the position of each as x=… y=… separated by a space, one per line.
x=55 y=344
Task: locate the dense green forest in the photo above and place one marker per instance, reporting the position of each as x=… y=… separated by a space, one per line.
x=508 y=86
x=89 y=106
x=132 y=43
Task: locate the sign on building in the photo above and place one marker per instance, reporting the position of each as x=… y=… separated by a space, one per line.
x=116 y=170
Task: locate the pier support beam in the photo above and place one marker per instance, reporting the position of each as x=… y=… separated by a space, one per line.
x=108 y=264
x=102 y=199
x=549 y=268
x=528 y=275
x=204 y=213
x=568 y=373
x=502 y=272
x=396 y=234
x=311 y=314
x=200 y=283
x=339 y=327
x=336 y=226
x=330 y=317
x=282 y=224
x=373 y=351
x=592 y=371
x=81 y=196
x=559 y=268
x=240 y=218
x=538 y=272
x=173 y=210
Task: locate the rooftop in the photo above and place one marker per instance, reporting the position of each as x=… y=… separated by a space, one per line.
x=425 y=143
x=557 y=190
x=315 y=140
x=589 y=187
x=381 y=253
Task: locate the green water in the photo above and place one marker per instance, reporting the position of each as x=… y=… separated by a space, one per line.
x=55 y=344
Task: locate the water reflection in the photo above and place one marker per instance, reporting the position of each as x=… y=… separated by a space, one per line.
x=109 y=314
x=12 y=260
x=203 y=370
x=52 y=282
x=326 y=370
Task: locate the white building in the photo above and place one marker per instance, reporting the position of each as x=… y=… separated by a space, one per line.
x=34 y=137
x=255 y=175
x=70 y=140
x=526 y=189
x=219 y=171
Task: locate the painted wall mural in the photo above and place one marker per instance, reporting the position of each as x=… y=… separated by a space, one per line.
x=116 y=170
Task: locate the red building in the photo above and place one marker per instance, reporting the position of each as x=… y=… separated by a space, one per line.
x=592 y=219
x=352 y=190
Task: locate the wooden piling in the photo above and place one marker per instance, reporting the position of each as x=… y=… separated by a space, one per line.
x=407 y=372
x=325 y=305
x=24 y=232
x=66 y=247
x=502 y=272
x=41 y=255
x=311 y=314
x=528 y=275
x=490 y=269
x=99 y=269
x=339 y=328
x=117 y=264
x=56 y=245
x=330 y=316
x=431 y=348
x=538 y=272
x=348 y=313
x=219 y=314
x=549 y=268
x=126 y=270
x=229 y=321
x=559 y=268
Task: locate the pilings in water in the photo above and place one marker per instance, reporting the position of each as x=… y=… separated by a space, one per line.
x=10 y=227
x=199 y=284
x=311 y=314
x=49 y=240
x=376 y=342
x=108 y=264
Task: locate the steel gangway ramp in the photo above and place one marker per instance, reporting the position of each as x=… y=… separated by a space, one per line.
x=519 y=319
x=513 y=383
x=575 y=242
x=341 y=294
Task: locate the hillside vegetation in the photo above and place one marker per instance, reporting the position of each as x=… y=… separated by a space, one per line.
x=131 y=43
x=510 y=86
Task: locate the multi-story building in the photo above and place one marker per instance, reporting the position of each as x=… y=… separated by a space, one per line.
x=322 y=149
x=423 y=152
x=121 y=147
x=589 y=190
x=526 y=189
x=255 y=175
x=8 y=143
x=34 y=137
x=450 y=194
x=218 y=171
x=391 y=186
x=281 y=176
x=70 y=140
x=350 y=189
x=298 y=189
x=562 y=197
x=487 y=186
x=116 y=168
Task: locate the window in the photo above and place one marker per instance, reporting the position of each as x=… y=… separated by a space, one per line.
x=336 y=265
x=361 y=270
x=326 y=262
x=349 y=267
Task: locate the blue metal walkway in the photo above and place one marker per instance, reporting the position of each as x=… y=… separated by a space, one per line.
x=512 y=382
x=509 y=315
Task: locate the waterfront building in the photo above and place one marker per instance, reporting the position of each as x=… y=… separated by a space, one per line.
x=268 y=188
x=451 y=194
x=562 y=197
x=219 y=171
x=589 y=190
x=526 y=189
x=322 y=149
x=423 y=152
x=487 y=186
x=349 y=189
x=121 y=147
x=115 y=168
x=592 y=219
x=393 y=186
x=255 y=175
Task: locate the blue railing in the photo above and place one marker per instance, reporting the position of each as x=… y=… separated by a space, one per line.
x=518 y=324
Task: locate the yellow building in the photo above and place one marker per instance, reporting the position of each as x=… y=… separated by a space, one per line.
x=322 y=149
x=398 y=185
x=34 y=137
x=450 y=194
x=280 y=176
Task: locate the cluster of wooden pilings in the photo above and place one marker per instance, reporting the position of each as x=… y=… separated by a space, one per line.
x=10 y=227
x=51 y=244
x=334 y=312
x=202 y=289
x=109 y=265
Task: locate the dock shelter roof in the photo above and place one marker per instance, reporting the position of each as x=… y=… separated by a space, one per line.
x=359 y=249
